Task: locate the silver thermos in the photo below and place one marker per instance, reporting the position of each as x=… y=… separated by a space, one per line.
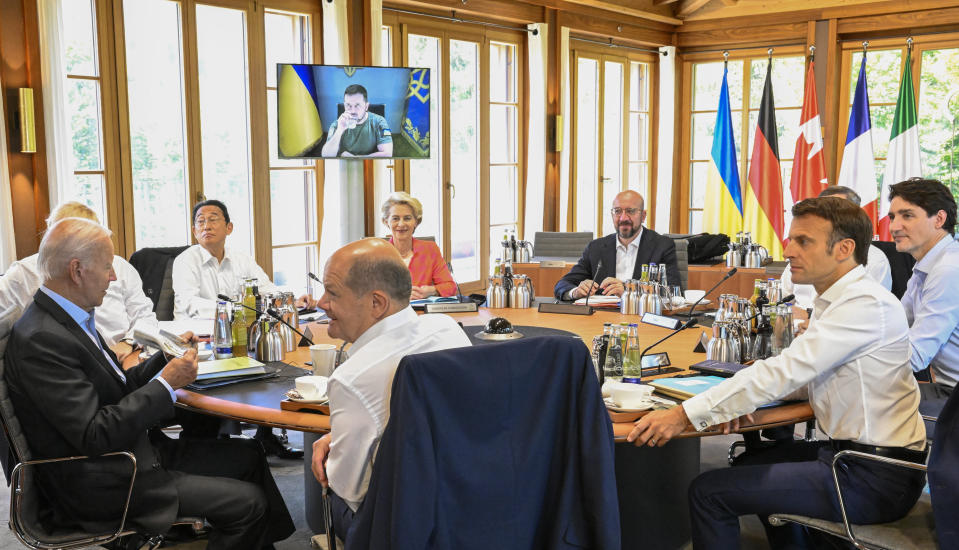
x=496 y=296
x=269 y=343
x=521 y=292
x=629 y=301
x=723 y=346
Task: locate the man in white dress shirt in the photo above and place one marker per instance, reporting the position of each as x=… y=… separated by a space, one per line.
x=209 y=268
x=367 y=290
x=877 y=265
x=124 y=308
x=852 y=363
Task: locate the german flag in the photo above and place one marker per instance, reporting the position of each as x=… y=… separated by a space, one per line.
x=763 y=204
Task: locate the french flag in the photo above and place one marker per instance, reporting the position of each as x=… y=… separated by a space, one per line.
x=858 y=170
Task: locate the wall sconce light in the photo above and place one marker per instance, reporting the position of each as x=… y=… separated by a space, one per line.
x=28 y=126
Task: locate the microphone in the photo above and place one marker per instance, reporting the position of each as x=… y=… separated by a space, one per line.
x=729 y=274
x=574 y=309
x=461 y=306
x=659 y=368
x=599 y=267
x=269 y=312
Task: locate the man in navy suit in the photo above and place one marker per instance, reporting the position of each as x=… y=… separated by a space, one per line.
x=622 y=254
x=72 y=398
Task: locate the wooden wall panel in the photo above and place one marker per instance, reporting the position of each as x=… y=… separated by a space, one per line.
x=504 y=10
x=620 y=32
x=736 y=35
x=19 y=69
x=912 y=21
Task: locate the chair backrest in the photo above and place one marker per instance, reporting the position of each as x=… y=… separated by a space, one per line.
x=900 y=266
x=944 y=473
x=470 y=459
x=34 y=514
x=682 y=261
x=155 y=266
x=560 y=245
x=376 y=108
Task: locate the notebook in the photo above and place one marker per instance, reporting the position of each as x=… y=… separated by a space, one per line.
x=232 y=367
x=722 y=369
x=684 y=388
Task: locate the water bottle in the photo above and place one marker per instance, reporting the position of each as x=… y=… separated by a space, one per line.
x=222 y=332
x=613 y=368
x=632 y=366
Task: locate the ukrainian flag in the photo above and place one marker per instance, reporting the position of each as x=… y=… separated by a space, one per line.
x=723 y=207
x=298 y=119
x=416 y=121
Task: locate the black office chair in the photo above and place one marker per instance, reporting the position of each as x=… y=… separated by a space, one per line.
x=155 y=266
x=900 y=266
x=31 y=515
x=918 y=530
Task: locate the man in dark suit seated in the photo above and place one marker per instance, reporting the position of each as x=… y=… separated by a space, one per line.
x=622 y=254
x=72 y=398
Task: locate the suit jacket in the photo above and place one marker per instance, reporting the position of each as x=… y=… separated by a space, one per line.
x=470 y=460
x=70 y=401
x=653 y=248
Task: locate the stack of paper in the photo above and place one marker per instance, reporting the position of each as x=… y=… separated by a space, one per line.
x=600 y=301
x=233 y=367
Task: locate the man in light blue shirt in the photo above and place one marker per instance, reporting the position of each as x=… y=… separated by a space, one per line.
x=922 y=219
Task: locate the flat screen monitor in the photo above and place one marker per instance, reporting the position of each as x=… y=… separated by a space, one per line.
x=337 y=111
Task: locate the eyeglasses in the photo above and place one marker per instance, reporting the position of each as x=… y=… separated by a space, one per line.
x=617 y=212
x=212 y=220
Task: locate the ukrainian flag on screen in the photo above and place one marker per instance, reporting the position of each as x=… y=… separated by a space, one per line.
x=416 y=122
x=298 y=119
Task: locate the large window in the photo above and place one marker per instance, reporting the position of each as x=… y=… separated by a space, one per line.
x=84 y=120
x=470 y=186
x=193 y=116
x=611 y=129
x=707 y=76
x=293 y=183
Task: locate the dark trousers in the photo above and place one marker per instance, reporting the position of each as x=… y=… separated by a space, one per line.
x=342 y=515
x=872 y=492
x=227 y=482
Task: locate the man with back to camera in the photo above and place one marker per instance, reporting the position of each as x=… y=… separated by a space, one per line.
x=852 y=363
x=877 y=265
x=922 y=220
x=72 y=399
x=358 y=132
x=623 y=254
x=367 y=292
x=209 y=268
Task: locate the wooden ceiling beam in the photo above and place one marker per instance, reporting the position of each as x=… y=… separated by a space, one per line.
x=688 y=7
x=788 y=33
x=503 y=10
x=620 y=33
x=663 y=2
x=623 y=10
x=646 y=19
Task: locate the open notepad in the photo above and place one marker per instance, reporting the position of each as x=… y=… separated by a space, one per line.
x=235 y=366
x=600 y=301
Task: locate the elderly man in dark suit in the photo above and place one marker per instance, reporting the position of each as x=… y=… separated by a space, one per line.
x=72 y=398
x=622 y=254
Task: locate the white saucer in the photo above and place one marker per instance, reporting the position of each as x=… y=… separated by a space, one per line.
x=323 y=401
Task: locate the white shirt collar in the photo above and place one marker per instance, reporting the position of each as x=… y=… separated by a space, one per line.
x=384 y=325
x=835 y=291
x=634 y=244
x=931 y=257
x=205 y=254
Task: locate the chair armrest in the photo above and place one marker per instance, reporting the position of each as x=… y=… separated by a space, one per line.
x=16 y=493
x=857 y=454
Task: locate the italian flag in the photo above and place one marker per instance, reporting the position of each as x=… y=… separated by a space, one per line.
x=903 y=160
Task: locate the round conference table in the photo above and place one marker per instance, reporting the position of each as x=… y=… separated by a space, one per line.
x=680 y=348
x=651 y=482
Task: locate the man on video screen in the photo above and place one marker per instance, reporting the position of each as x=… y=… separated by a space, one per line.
x=358 y=132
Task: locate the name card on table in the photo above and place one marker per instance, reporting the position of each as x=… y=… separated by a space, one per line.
x=661 y=321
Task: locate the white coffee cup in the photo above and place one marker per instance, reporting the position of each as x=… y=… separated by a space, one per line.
x=324 y=359
x=312 y=388
x=630 y=396
x=693 y=295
